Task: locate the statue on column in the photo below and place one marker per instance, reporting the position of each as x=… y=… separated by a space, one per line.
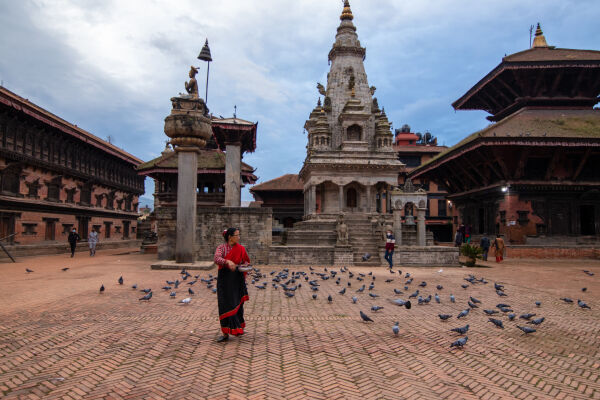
x=342 y=231
x=192 y=86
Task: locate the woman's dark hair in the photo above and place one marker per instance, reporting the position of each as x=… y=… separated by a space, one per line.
x=229 y=232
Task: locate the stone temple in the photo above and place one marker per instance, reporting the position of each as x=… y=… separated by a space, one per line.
x=350 y=171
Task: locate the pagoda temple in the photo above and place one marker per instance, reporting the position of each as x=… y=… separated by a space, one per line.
x=350 y=161
x=534 y=174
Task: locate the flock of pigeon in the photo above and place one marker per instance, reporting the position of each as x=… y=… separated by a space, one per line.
x=291 y=281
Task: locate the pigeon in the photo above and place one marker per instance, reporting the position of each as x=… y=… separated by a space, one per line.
x=365 y=317
x=497 y=286
x=490 y=312
x=187 y=300
x=501 y=293
x=176 y=283
x=538 y=303
x=526 y=316
x=537 y=321
x=444 y=317
x=423 y=284
x=314 y=296
x=464 y=286
x=474 y=300
x=407 y=275
x=512 y=316
x=505 y=310
x=463 y=313
x=582 y=304
x=166 y=288
x=397 y=291
x=415 y=294
x=146 y=290
x=389 y=280
x=462 y=330
x=526 y=329
x=343 y=291
x=28 y=270
x=120 y=280
x=439 y=287
x=373 y=295
x=376 y=308
x=566 y=299
x=460 y=342
x=289 y=294
x=329 y=298
x=354 y=299
x=134 y=286
x=366 y=257
x=172 y=294
x=349 y=284
x=190 y=291
x=371 y=286
x=496 y=322
x=65 y=269
x=170 y=282
x=147 y=297
x=399 y=302
x=588 y=272
x=396 y=329
x=361 y=289
x=214 y=290
x=437 y=298
x=452 y=299
x=583 y=289
x=472 y=305
x=502 y=305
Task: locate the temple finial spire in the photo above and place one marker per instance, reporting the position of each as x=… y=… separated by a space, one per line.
x=539 y=40
x=347 y=12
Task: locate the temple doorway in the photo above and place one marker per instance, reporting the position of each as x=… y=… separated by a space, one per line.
x=351 y=198
x=587 y=219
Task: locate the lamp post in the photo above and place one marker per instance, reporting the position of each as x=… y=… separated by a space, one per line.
x=205 y=56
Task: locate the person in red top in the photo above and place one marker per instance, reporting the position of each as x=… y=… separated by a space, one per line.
x=231 y=284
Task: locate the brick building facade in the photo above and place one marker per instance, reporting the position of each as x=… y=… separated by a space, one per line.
x=55 y=176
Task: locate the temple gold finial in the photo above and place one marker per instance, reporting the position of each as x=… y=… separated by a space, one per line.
x=347 y=12
x=353 y=93
x=539 y=40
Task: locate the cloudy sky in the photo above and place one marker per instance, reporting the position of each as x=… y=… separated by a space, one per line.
x=111 y=66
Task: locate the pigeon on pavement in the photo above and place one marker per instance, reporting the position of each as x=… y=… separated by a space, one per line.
x=365 y=317
x=462 y=330
x=526 y=329
x=460 y=342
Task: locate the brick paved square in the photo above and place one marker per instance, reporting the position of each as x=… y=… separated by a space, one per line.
x=60 y=338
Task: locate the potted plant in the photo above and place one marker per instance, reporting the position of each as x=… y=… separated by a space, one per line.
x=472 y=253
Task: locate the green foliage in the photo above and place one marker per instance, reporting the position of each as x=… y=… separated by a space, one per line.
x=472 y=252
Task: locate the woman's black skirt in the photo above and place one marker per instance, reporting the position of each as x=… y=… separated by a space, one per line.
x=231 y=293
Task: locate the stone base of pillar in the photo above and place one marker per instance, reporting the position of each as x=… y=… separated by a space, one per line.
x=342 y=255
x=426 y=256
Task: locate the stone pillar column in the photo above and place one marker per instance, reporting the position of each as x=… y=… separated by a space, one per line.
x=186 y=205
x=312 y=199
x=398 y=226
x=189 y=127
x=233 y=182
x=368 y=193
x=341 y=197
x=421 y=226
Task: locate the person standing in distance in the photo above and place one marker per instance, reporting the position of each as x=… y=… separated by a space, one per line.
x=73 y=239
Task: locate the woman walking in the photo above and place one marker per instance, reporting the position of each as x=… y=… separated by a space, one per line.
x=231 y=284
x=499 y=248
x=390 y=241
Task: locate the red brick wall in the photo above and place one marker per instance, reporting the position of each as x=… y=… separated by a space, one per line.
x=552 y=252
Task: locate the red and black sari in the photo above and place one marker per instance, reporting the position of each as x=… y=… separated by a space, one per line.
x=231 y=288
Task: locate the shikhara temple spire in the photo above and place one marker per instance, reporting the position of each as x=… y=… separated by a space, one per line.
x=539 y=40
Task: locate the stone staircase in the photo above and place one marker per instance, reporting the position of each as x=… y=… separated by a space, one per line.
x=409 y=236
x=364 y=238
x=311 y=233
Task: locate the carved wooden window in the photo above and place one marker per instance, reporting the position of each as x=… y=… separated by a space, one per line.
x=351 y=198
x=110 y=199
x=523 y=218
x=99 y=200
x=441 y=208
x=354 y=133
x=96 y=228
x=126 y=225
x=117 y=228
x=119 y=203
x=67 y=228
x=7 y=227
x=128 y=203
x=85 y=197
x=54 y=186
x=32 y=188
x=10 y=180
x=29 y=228
x=70 y=195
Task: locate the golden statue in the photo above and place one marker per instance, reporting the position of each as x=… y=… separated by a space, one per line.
x=192 y=86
